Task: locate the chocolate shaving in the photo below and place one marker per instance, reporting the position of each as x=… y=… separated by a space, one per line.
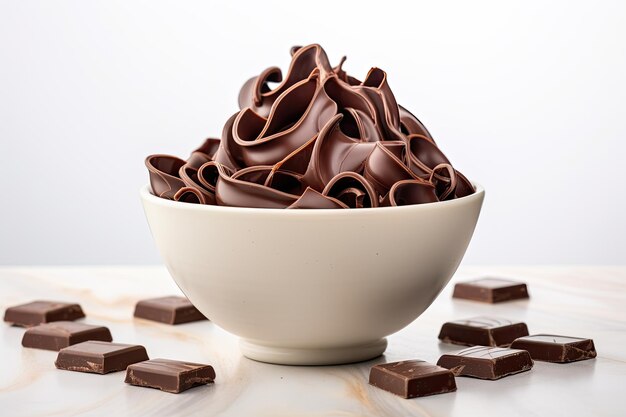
x=313 y=138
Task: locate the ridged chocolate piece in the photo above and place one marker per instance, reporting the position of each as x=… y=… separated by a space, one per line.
x=287 y=144
x=491 y=290
x=558 y=349
x=169 y=310
x=484 y=331
x=412 y=378
x=99 y=357
x=61 y=334
x=169 y=375
x=486 y=362
x=37 y=312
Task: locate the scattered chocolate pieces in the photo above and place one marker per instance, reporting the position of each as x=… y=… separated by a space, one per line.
x=99 y=357
x=413 y=378
x=484 y=331
x=490 y=290
x=61 y=334
x=170 y=310
x=486 y=362
x=37 y=312
x=169 y=375
x=559 y=349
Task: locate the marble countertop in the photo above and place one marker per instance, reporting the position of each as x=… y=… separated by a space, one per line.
x=576 y=301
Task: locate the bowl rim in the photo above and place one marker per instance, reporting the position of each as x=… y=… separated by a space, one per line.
x=147 y=196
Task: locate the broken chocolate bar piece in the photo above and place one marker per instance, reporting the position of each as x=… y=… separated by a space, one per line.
x=61 y=334
x=99 y=357
x=484 y=331
x=559 y=349
x=486 y=362
x=37 y=312
x=491 y=290
x=169 y=310
x=413 y=378
x=169 y=375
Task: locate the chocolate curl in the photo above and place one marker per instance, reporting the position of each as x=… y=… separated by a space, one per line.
x=189 y=175
x=384 y=167
x=312 y=199
x=225 y=153
x=410 y=125
x=444 y=179
x=296 y=117
x=164 y=177
x=424 y=155
x=189 y=195
x=304 y=61
x=204 y=153
x=335 y=152
x=387 y=117
x=463 y=186
x=407 y=192
x=352 y=189
x=245 y=189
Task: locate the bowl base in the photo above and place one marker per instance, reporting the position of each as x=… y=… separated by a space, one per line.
x=303 y=356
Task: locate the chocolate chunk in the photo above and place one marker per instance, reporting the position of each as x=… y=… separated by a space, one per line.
x=491 y=290
x=37 y=312
x=559 y=349
x=168 y=375
x=61 y=334
x=99 y=357
x=486 y=362
x=413 y=378
x=485 y=331
x=170 y=310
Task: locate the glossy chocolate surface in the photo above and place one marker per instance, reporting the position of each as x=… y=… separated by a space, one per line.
x=169 y=310
x=37 y=312
x=486 y=362
x=558 y=349
x=491 y=290
x=484 y=331
x=61 y=334
x=313 y=138
x=169 y=375
x=99 y=357
x=412 y=378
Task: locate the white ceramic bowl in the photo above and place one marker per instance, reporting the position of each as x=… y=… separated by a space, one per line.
x=312 y=287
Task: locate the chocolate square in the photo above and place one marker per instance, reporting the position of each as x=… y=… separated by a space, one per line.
x=169 y=310
x=37 y=312
x=486 y=362
x=61 y=334
x=412 y=378
x=558 y=349
x=491 y=290
x=99 y=357
x=169 y=375
x=485 y=331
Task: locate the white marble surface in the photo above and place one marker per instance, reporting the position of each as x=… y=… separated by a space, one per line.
x=576 y=301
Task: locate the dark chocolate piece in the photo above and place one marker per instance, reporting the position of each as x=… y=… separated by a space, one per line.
x=169 y=375
x=170 y=310
x=484 y=331
x=61 y=334
x=491 y=290
x=318 y=129
x=413 y=378
x=99 y=357
x=37 y=312
x=486 y=362
x=559 y=349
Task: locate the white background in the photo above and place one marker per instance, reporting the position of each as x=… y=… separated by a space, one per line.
x=527 y=98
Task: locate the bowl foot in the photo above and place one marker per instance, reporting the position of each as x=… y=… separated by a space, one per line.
x=303 y=356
